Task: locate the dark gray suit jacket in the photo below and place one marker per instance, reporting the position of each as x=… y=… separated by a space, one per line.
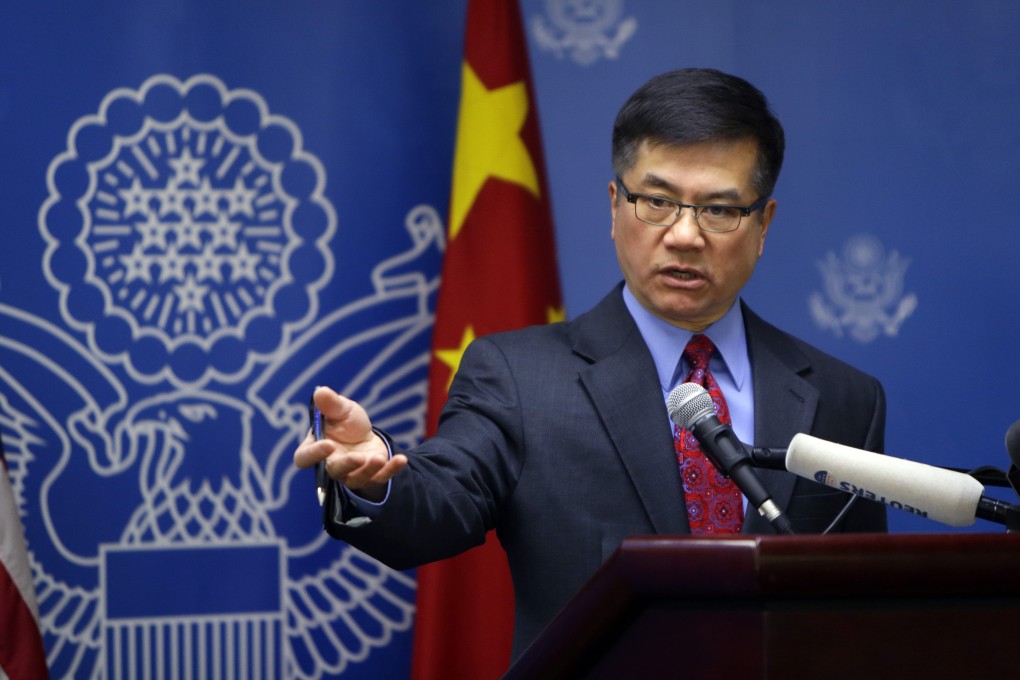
x=557 y=437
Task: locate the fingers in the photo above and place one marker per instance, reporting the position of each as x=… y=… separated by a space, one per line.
x=358 y=472
x=311 y=452
x=331 y=404
x=345 y=420
x=352 y=453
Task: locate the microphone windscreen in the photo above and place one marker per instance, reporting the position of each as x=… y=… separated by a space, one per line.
x=1013 y=443
x=942 y=495
x=686 y=402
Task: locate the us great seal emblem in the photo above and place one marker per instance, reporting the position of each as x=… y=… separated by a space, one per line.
x=583 y=29
x=863 y=291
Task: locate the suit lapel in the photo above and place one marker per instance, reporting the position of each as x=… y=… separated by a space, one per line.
x=623 y=386
x=622 y=383
x=784 y=403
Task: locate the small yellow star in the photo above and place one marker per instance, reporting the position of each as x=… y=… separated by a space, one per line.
x=452 y=357
x=489 y=143
x=554 y=314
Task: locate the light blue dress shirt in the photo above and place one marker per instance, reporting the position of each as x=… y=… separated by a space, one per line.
x=730 y=363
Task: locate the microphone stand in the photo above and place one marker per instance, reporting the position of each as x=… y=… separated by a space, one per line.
x=1012 y=512
x=999 y=512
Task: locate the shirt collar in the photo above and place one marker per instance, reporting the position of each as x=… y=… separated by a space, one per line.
x=666 y=342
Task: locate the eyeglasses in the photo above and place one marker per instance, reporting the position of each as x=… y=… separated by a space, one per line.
x=662 y=212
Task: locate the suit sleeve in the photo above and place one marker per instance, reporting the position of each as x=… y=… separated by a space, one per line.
x=447 y=498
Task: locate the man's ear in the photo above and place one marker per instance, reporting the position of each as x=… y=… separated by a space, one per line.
x=613 y=197
x=767 y=213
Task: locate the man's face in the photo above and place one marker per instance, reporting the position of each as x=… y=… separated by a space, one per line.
x=682 y=274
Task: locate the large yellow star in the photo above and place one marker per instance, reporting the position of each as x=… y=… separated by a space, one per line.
x=489 y=143
x=452 y=357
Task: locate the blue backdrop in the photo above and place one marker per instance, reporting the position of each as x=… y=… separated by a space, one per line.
x=210 y=207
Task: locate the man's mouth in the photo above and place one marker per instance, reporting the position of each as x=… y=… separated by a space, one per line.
x=682 y=274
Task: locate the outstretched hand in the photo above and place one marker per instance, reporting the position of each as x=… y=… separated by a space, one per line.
x=352 y=453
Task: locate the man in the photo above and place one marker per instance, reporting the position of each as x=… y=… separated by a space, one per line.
x=558 y=436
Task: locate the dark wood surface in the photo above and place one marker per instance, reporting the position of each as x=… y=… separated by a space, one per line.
x=875 y=606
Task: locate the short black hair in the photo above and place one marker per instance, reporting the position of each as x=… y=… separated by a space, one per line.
x=688 y=106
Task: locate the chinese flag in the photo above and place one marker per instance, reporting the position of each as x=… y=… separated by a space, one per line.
x=499 y=273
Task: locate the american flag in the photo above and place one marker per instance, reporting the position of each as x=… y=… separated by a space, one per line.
x=21 y=648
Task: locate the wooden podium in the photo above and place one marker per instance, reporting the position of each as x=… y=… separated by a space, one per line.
x=846 y=606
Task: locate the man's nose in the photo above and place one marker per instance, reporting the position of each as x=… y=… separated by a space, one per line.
x=685 y=231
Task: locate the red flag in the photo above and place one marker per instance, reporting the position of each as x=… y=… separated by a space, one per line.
x=21 y=647
x=499 y=273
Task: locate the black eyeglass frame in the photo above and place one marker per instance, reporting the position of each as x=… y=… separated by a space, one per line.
x=745 y=211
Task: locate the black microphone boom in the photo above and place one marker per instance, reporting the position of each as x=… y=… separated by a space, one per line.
x=690 y=407
x=766 y=457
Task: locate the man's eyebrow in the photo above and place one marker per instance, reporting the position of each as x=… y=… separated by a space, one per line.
x=653 y=181
x=731 y=195
x=656 y=182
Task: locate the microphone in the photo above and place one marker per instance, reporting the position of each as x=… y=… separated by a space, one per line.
x=942 y=495
x=1013 y=449
x=1013 y=443
x=690 y=407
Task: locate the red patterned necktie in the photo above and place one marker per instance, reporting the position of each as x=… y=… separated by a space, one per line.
x=714 y=503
